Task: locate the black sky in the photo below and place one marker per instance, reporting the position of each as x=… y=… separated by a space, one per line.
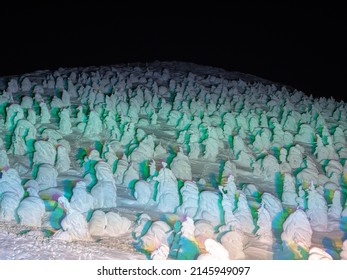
x=293 y=45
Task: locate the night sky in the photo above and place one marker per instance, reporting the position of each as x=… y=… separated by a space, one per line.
x=293 y=45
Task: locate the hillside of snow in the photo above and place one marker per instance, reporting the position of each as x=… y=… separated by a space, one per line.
x=169 y=160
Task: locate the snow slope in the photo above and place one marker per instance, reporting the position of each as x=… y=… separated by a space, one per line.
x=20 y=242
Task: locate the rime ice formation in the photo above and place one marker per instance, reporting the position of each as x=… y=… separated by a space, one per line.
x=187 y=244
x=63 y=162
x=302 y=199
x=343 y=253
x=335 y=210
x=203 y=230
x=103 y=172
x=97 y=223
x=51 y=135
x=128 y=134
x=317 y=211
x=46 y=176
x=325 y=151
x=334 y=167
x=65 y=122
x=305 y=135
x=56 y=103
x=32 y=208
x=10 y=181
x=32 y=116
x=211 y=144
x=284 y=165
x=12 y=86
x=243 y=214
x=100 y=135
x=295 y=156
x=245 y=160
x=18 y=146
x=167 y=195
x=109 y=153
x=81 y=200
x=232 y=241
x=74 y=225
x=104 y=194
x=94 y=125
x=45 y=114
x=116 y=225
x=160 y=151
x=105 y=190
x=270 y=168
x=180 y=166
x=228 y=169
x=215 y=251
x=156 y=236
x=190 y=199
x=140 y=227
x=251 y=190
x=194 y=150
x=154 y=118
x=318 y=254
x=143 y=192
x=265 y=225
x=272 y=204
x=152 y=168
x=229 y=205
x=122 y=166
x=240 y=146
x=8 y=205
x=209 y=208
x=231 y=221
x=145 y=150
x=289 y=195
x=309 y=174
x=11 y=193
x=81 y=117
x=130 y=176
x=26 y=84
x=4 y=161
x=297 y=230
x=65 y=98
x=161 y=253
x=45 y=152
x=14 y=113
x=230 y=190
x=24 y=132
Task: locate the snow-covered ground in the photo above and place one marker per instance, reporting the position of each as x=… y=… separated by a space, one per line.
x=24 y=243
x=210 y=85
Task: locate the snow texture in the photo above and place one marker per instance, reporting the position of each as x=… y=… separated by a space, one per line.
x=179 y=160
